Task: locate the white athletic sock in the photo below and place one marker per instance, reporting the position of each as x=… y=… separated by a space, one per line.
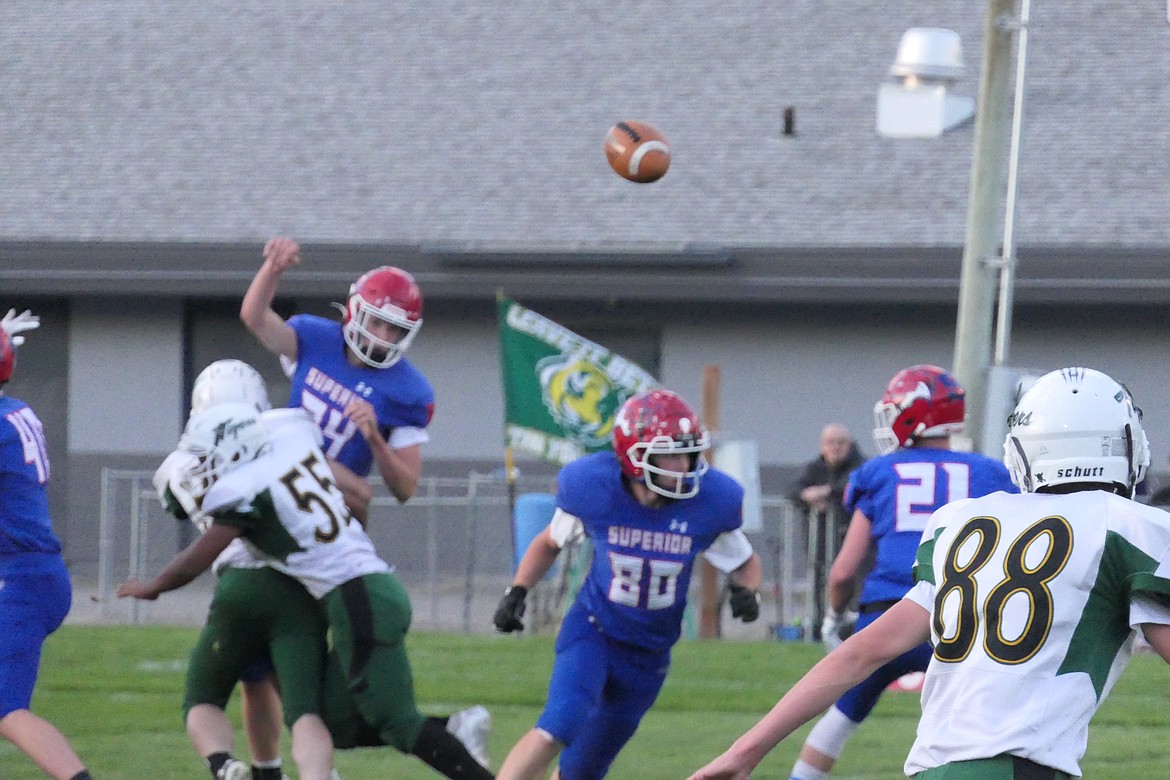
x=804 y=771
x=831 y=732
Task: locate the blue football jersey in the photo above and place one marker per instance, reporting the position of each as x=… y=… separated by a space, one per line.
x=636 y=588
x=899 y=492
x=324 y=383
x=24 y=475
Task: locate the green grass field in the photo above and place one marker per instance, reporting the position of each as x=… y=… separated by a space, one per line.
x=115 y=691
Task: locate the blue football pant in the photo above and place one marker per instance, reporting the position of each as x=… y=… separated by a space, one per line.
x=598 y=693
x=35 y=596
x=859 y=701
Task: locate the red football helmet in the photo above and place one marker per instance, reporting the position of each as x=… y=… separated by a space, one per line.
x=384 y=295
x=659 y=422
x=7 y=356
x=919 y=402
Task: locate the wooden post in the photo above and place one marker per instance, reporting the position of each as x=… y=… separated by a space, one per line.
x=709 y=625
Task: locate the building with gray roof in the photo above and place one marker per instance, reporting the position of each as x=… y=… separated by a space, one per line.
x=147 y=150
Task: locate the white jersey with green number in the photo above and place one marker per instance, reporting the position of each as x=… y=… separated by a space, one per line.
x=291 y=514
x=1034 y=599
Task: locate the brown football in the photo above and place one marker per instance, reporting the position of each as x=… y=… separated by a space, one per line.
x=637 y=151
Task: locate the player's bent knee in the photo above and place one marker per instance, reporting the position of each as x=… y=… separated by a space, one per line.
x=400 y=732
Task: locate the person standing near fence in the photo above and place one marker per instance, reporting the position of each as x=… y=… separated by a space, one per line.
x=371 y=404
x=35 y=590
x=820 y=490
x=642 y=509
x=891 y=497
x=1033 y=602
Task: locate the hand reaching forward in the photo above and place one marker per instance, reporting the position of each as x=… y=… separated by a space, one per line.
x=723 y=768
x=137 y=589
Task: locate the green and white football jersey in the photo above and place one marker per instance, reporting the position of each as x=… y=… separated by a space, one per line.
x=177 y=499
x=290 y=513
x=1034 y=599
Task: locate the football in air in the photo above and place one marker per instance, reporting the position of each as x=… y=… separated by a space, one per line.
x=637 y=151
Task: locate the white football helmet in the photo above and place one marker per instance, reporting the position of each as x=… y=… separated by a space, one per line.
x=1076 y=425
x=221 y=438
x=229 y=381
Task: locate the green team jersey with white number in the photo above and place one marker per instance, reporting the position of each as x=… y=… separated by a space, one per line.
x=291 y=514
x=1034 y=601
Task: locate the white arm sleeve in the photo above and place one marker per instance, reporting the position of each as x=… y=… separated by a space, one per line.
x=922 y=594
x=730 y=551
x=1145 y=610
x=565 y=528
x=407 y=436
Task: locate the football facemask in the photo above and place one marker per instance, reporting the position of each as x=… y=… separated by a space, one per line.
x=661 y=423
x=220 y=440
x=382 y=316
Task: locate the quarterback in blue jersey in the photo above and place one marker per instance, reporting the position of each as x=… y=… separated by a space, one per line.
x=371 y=404
x=891 y=497
x=35 y=592
x=647 y=519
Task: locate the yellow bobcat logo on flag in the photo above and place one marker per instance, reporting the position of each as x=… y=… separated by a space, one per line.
x=580 y=397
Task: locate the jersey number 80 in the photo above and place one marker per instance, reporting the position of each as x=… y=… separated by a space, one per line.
x=625 y=587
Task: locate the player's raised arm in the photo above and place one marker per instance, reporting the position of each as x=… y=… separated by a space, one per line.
x=256 y=310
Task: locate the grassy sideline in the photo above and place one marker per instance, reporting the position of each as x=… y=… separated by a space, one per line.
x=115 y=691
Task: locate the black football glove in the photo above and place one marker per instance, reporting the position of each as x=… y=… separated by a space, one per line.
x=510 y=610
x=745 y=602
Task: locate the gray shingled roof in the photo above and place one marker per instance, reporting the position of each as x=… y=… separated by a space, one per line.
x=415 y=122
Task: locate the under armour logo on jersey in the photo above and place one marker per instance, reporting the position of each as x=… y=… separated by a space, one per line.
x=363 y=389
x=678 y=527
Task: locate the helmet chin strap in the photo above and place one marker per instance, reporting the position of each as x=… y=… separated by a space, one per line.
x=1028 y=486
x=1129 y=459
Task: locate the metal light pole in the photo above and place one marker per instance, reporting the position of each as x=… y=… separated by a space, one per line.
x=1007 y=274
x=981 y=255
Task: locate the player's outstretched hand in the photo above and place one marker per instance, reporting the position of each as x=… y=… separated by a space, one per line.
x=745 y=602
x=14 y=324
x=510 y=610
x=137 y=589
x=722 y=768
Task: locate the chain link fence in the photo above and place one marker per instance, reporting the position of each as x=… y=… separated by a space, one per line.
x=452 y=547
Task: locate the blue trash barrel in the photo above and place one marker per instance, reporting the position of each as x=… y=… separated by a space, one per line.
x=532 y=514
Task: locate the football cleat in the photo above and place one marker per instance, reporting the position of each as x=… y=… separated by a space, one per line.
x=473 y=727
x=234 y=769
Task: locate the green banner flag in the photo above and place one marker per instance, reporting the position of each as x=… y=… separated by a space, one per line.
x=561 y=391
